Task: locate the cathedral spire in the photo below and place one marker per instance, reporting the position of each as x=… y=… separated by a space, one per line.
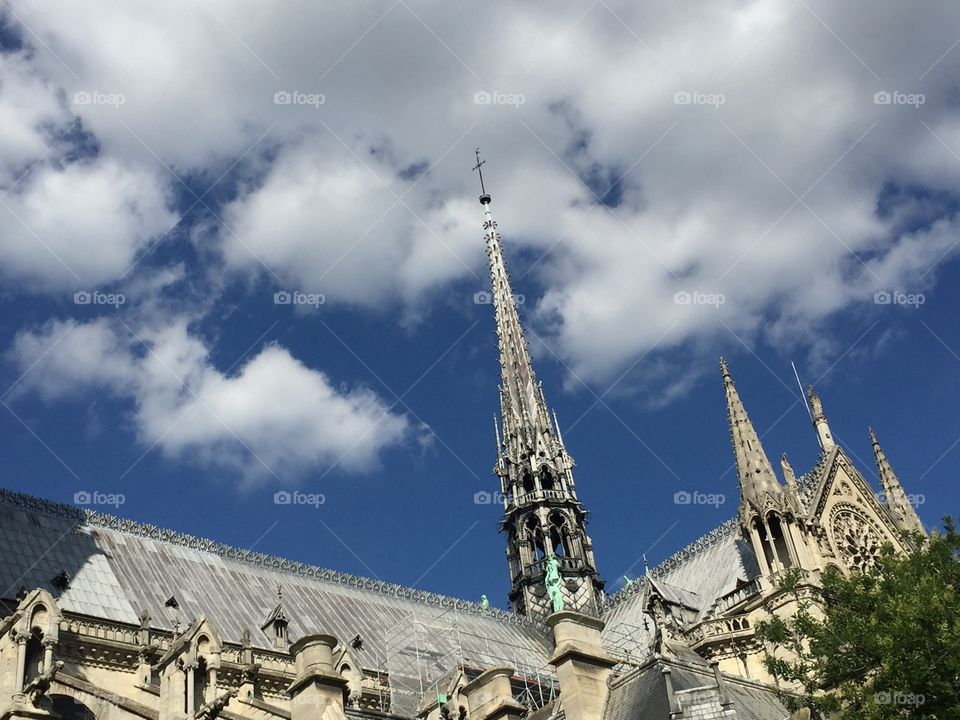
x=894 y=496
x=757 y=480
x=543 y=519
x=524 y=412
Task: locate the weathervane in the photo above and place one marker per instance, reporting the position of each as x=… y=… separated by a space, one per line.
x=484 y=197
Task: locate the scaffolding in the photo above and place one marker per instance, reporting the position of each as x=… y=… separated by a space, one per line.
x=630 y=644
x=424 y=652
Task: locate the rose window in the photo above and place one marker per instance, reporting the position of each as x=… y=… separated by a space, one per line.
x=857 y=542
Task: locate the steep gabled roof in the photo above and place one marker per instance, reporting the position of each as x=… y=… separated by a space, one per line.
x=120 y=568
x=642 y=693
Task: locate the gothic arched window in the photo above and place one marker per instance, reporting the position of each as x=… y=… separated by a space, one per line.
x=527 y=481
x=201 y=681
x=535 y=534
x=779 y=540
x=559 y=535
x=546 y=480
x=761 y=531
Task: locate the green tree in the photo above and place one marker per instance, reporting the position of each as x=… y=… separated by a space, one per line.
x=880 y=644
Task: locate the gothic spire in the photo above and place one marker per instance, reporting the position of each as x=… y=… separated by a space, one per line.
x=757 y=480
x=544 y=521
x=524 y=414
x=894 y=496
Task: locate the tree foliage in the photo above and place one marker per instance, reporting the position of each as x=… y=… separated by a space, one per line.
x=875 y=645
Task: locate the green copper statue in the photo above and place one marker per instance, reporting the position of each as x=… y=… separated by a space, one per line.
x=484 y=602
x=553 y=581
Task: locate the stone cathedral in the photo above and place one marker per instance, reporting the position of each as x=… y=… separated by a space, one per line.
x=106 y=618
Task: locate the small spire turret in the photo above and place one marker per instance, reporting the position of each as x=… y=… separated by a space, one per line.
x=819 y=419
x=894 y=496
x=758 y=483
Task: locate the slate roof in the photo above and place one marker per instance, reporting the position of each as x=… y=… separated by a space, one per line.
x=119 y=568
x=694 y=577
x=642 y=694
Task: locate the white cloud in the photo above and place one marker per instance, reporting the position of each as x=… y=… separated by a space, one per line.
x=769 y=198
x=81 y=225
x=69 y=221
x=347 y=229
x=274 y=417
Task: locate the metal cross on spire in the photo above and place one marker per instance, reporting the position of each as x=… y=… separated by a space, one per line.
x=484 y=197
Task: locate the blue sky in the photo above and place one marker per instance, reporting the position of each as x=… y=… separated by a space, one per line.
x=159 y=163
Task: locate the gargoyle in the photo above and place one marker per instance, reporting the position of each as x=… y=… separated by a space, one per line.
x=213 y=708
x=40 y=685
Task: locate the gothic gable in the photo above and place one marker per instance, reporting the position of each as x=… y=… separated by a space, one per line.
x=200 y=640
x=852 y=520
